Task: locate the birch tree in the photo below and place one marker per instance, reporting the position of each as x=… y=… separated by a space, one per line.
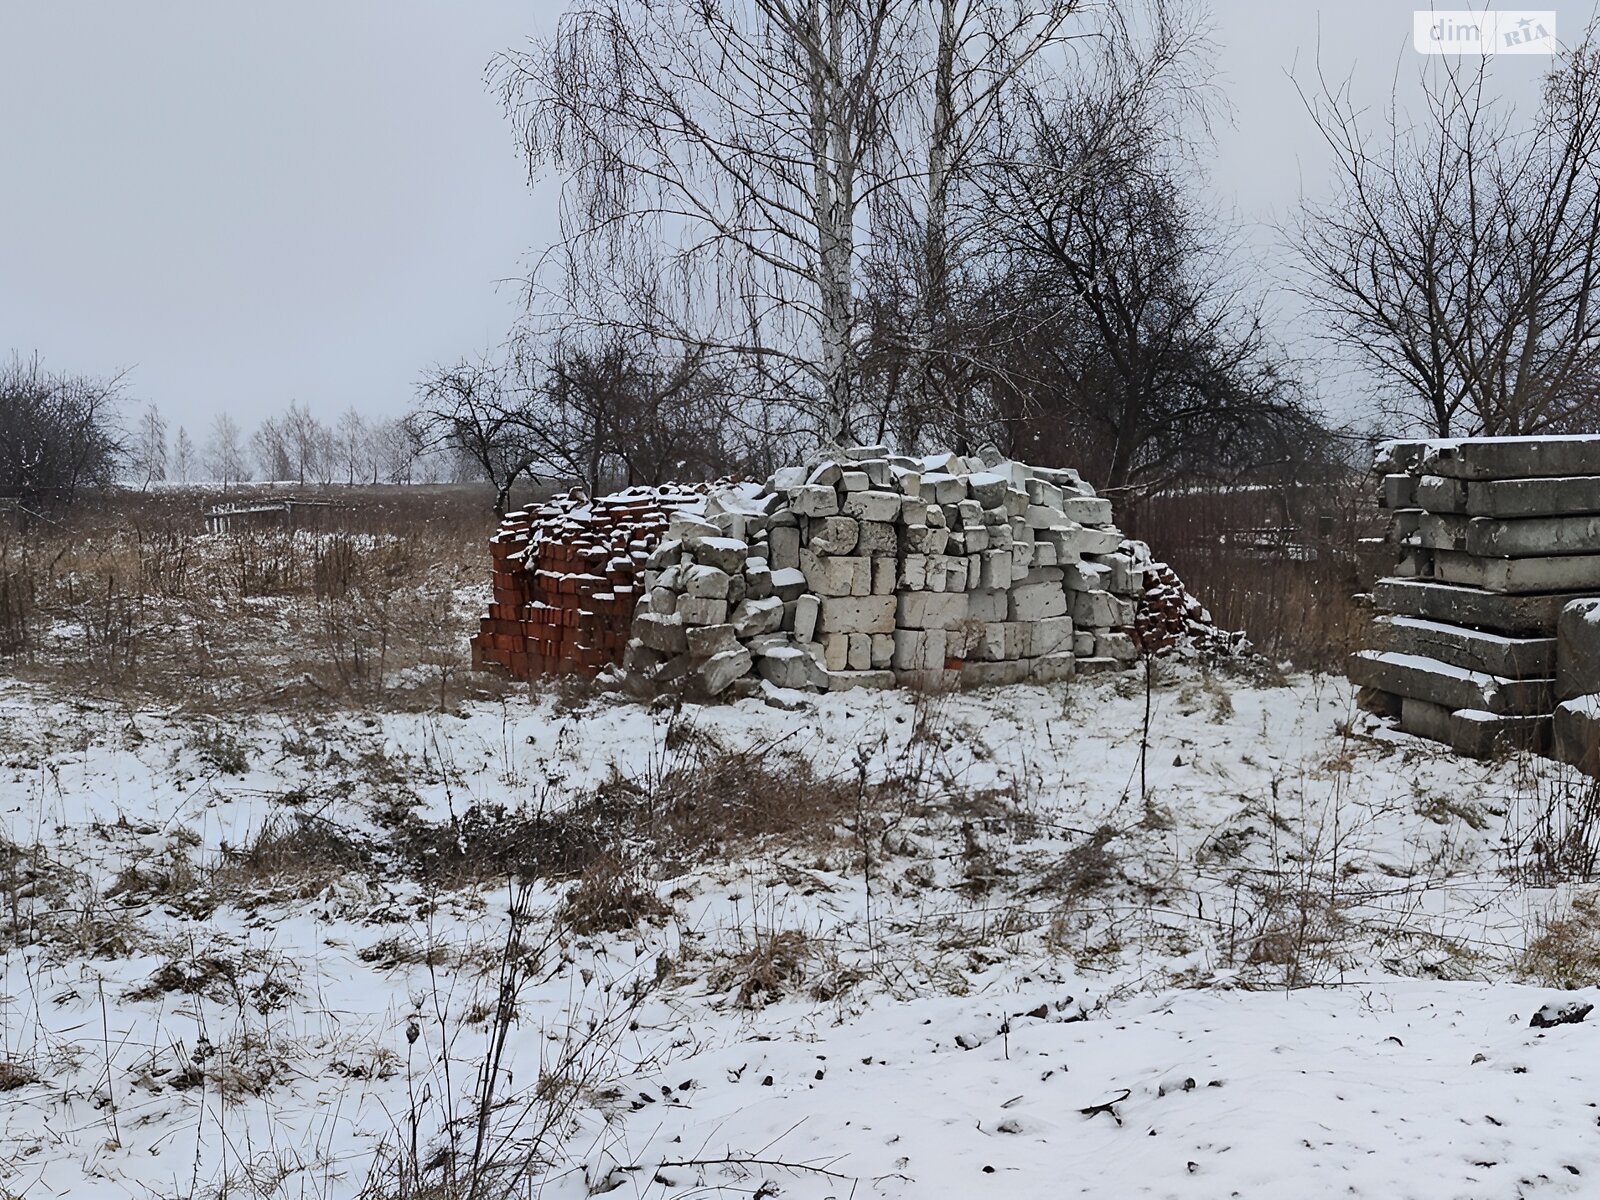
x=771 y=146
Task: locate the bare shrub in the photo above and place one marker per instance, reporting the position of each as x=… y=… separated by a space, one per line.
x=610 y=896
x=1553 y=831
x=775 y=963
x=295 y=856
x=15 y=1074
x=1564 y=949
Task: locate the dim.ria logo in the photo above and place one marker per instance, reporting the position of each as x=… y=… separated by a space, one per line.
x=1485 y=31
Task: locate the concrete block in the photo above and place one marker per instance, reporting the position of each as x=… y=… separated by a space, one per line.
x=757 y=579
x=727 y=554
x=914 y=572
x=757 y=616
x=783 y=547
x=1021 y=560
x=883 y=575
x=956 y=578
x=936 y=573
x=1087 y=577
x=918 y=650
x=844 y=681
x=913 y=511
x=661 y=633
x=947 y=489
x=1094 y=609
x=835 y=651
x=926 y=539
x=788 y=584
x=826 y=474
x=857 y=614
x=833 y=535
x=1092 y=541
x=1053 y=668
x=860 y=652
x=663 y=600
x=1082 y=643
x=995 y=571
x=1418 y=678
x=873 y=506
x=930 y=610
x=988 y=488
x=1115 y=645
x=1533 y=497
x=1563 y=573
x=937 y=680
x=1040 y=517
x=704 y=582
x=882 y=650
x=701 y=610
x=993 y=674
x=839 y=575
x=987 y=605
x=806 y=611
x=1042 y=491
x=1088 y=510
x=790 y=667
x=854 y=481
x=1516 y=616
x=1053 y=635
x=1036 y=601
x=1472 y=649
x=705 y=640
x=814 y=500
x=718 y=672
x=877 y=537
x=1098 y=666
x=1577 y=657
x=1515 y=457
x=977 y=539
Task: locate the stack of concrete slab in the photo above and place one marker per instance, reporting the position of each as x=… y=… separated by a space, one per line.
x=1492 y=539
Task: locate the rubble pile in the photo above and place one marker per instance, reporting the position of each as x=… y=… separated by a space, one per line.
x=1486 y=638
x=860 y=569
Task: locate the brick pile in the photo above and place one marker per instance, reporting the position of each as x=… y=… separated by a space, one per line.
x=564 y=580
x=862 y=569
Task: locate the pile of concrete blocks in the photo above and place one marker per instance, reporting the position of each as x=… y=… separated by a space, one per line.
x=871 y=569
x=1479 y=642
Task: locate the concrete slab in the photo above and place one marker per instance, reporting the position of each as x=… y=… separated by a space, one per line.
x=1515 y=457
x=1423 y=718
x=1441 y=494
x=1417 y=678
x=1440 y=531
x=1473 y=649
x=1513 y=615
x=1400 y=491
x=1534 y=497
x=1479 y=734
x=1578 y=649
x=1533 y=537
x=1559 y=573
x=1576 y=734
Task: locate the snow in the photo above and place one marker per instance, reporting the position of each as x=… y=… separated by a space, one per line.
x=963 y=1000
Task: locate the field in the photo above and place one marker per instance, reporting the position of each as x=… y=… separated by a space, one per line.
x=293 y=905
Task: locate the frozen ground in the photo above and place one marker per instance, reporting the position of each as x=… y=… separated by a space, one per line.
x=1293 y=959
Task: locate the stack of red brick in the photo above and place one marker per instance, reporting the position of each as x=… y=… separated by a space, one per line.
x=564 y=582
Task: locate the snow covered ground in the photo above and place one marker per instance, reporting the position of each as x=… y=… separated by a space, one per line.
x=1281 y=953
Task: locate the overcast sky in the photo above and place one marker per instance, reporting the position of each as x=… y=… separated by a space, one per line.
x=314 y=199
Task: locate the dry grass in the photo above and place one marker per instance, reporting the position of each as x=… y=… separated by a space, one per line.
x=610 y=896
x=775 y=963
x=294 y=856
x=130 y=597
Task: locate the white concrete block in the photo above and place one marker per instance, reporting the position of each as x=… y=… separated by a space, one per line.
x=860 y=656
x=918 y=650
x=806 y=610
x=873 y=506
x=814 y=500
x=1036 y=601
x=858 y=614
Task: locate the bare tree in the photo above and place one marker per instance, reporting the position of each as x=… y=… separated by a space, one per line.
x=183 y=456
x=771 y=145
x=224 y=454
x=58 y=433
x=1459 y=256
x=474 y=406
x=352 y=437
x=270 y=445
x=147 y=458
